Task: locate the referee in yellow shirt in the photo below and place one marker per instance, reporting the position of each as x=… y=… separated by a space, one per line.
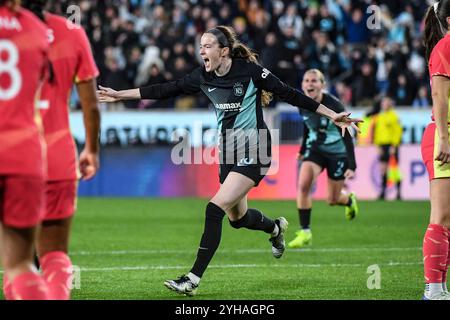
x=387 y=136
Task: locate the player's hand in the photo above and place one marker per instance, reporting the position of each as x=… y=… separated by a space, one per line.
x=343 y=121
x=349 y=174
x=89 y=164
x=300 y=156
x=107 y=94
x=443 y=152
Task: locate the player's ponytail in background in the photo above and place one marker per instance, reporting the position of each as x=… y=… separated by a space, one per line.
x=240 y=50
x=435 y=25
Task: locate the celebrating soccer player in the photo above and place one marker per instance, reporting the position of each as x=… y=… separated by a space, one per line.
x=436 y=152
x=238 y=87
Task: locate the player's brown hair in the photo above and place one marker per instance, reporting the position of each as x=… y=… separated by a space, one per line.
x=436 y=25
x=226 y=36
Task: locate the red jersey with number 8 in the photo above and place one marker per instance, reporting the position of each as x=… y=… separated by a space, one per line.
x=23 y=49
x=71 y=57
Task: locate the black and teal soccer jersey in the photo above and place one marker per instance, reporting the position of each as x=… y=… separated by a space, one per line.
x=236 y=97
x=322 y=136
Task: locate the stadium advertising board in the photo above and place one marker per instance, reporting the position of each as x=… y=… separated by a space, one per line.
x=149 y=172
x=165 y=127
x=149 y=128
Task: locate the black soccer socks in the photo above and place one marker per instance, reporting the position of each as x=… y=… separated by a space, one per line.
x=305 y=217
x=255 y=220
x=210 y=239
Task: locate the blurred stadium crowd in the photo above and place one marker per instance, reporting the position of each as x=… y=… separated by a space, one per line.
x=141 y=42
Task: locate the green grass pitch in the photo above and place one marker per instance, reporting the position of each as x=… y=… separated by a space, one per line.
x=126 y=248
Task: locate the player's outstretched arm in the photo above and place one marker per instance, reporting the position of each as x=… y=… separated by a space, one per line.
x=189 y=84
x=110 y=95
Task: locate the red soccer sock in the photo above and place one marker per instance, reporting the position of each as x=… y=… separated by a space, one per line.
x=7 y=291
x=57 y=269
x=444 y=277
x=29 y=286
x=435 y=253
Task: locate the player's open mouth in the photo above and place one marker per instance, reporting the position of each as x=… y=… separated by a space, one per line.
x=206 y=62
x=310 y=91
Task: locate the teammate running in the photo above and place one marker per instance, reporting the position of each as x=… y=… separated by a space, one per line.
x=323 y=147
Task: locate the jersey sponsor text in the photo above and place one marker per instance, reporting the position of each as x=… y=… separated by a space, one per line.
x=228 y=106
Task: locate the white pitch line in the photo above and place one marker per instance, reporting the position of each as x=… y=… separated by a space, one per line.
x=127 y=252
x=233 y=266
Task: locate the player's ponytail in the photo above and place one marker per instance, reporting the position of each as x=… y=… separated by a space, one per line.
x=239 y=50
x=436 y=25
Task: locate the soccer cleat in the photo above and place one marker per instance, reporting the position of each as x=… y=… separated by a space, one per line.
x=183 y=285
x=278 y=244
x=352 y=211
x=303 y=238
x=438 y=296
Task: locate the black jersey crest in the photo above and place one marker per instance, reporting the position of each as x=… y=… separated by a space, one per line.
x=238 y=89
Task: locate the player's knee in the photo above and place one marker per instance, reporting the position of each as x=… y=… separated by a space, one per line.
x=222 y=202
x=304 y=189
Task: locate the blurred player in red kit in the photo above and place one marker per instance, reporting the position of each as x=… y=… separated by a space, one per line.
x=23 y=61
x=436 y=152
x=72 y=62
